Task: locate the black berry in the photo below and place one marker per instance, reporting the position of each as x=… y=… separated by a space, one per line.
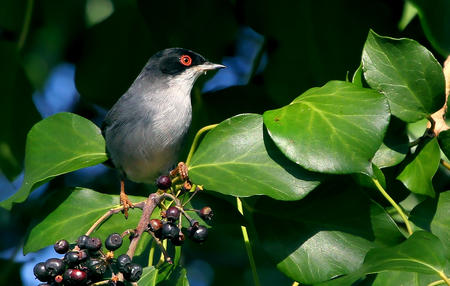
x=199 y=233
x=113 y=242
x=163 y=182
x=54 y=266
x=61 y=246
x=96 y=267
x=178 y=240
x=71 y=258
x=78 y=276
x=206 y=213
x=172 y=214
x=169 y=231
x=93 y=244
x=134 y=273
x=41 y=272
x=82 y=240
x=122 y=261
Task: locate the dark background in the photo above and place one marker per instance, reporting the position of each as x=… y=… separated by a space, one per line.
x=82 y=55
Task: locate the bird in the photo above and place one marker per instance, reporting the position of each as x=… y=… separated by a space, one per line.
x=145 y=128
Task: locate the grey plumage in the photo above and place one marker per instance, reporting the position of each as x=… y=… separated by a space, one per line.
x=145 y=128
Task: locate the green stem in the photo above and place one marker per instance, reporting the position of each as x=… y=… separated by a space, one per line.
x=394 y=204
x=152 y=253
x=444 y=277
x=26 y=24
x=248 y=246
x=439 y=282
x=196 y=139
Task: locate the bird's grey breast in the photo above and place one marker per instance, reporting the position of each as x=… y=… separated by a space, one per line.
x=146 y=128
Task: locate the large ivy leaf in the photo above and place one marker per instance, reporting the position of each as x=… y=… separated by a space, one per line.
x=148 y=277
x=395 y=145
x=444 y=142
x=75 y=215
x=417 y=175
x=434 y=17
x=434 y=215
x=336 y=128
x=238 y=158
x=407 y=73
x=422 y=253
x=403 y=278
x=172 y=275
x=313 y=240
x=59 y=144
x=18 y=112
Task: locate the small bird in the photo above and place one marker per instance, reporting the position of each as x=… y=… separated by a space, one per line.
x=146 y=126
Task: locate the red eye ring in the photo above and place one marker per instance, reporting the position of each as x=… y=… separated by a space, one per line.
x=186 y=60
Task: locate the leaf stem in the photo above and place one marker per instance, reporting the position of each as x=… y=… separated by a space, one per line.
x=439 y=282
x=445 y=164
x=248 y=246
x=26 y=24
x=151 y=253
x=444 y=277
x=196 y=139
x=394 y=204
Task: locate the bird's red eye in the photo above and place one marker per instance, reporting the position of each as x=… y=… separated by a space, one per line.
x=185 y=60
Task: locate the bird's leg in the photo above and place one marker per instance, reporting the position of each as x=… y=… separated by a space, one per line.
x=124 y=201
x=182 y=170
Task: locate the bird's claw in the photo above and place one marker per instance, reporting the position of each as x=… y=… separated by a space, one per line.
x=181 y=170
x=126 y=203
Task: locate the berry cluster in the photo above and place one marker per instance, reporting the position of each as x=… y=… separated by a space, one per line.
x=85 y=263
x=169 y=226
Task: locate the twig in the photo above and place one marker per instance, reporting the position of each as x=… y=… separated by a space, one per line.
x=163 y=250
x=103 y=218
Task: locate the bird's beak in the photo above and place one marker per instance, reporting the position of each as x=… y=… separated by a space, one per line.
x=207 y=66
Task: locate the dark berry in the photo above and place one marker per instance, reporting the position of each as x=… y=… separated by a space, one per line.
x=113 y=242
x=178 y=240
x=67 y=273
x=97 y=267
x=61 y=246
x=54 y=266
x=58 y=279
x=163 y=182
x=93 y=244
x=71 y=258
x=155 y=225
x=206 y=213
x=122 y=261
x=169 y=231
x=41 y=272
x=78 y=276
x=82 y=255
x=172 y=214
x=82 y=240
x=134 y=273
x=199 y=233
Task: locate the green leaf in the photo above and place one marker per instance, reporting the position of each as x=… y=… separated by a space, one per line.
x=172 y=275
x=148 y=277
x=421 y=252
x=434 y=17
x=407 y=73
x=434 y=215
x=395 y=145
x=418 y=174
x=238 y=158
x=358 y=77
x=75 y=215
x=314 y=239
x=444 y=142
x=18 y=114
x=403 y=278
x=336 y=128
x=59 y=144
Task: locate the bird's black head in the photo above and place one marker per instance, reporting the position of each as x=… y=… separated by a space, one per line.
x=175 y=61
